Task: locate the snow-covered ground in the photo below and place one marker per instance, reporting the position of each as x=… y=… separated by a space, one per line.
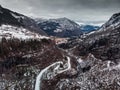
x=8 y=31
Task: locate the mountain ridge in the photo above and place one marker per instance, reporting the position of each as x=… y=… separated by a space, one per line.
x=13 y=18
x=64 y=27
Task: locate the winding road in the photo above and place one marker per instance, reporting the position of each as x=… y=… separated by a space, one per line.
x=57 y=64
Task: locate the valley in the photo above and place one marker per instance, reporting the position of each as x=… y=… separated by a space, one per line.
x=58 y=54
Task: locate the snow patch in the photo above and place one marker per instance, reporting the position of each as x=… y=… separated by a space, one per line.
x=8 y=31
x=17 y=17
x=58 y=30
x=108 y=64
x=80 y=60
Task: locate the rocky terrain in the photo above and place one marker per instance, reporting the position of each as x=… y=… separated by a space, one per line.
x=21 y=61
x=98 y=55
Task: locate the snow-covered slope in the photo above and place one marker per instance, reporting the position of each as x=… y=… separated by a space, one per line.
x=64 y=23
x=9 y=31
x=113 y=22
x=61 y=27
x=16 y=19
x=64 y=27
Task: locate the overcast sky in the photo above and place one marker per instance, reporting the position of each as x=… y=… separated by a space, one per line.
x=88 y=11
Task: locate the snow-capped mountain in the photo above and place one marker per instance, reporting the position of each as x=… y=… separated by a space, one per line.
x=113 y=22
x=61 y=27
x=15 y=19
x=64 y=27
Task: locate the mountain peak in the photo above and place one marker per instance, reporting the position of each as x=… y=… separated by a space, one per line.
x=64 y=18
x=116 y=14
x=113 y=22
x=60 y=27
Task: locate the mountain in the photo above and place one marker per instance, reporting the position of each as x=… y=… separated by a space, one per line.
x=98 y=55
x=105 y=42
x=113 y=22
x=9 y=17
x=88 y=28
x=32 y=61
x=64 y=27
x=61 y=27
x=29 y=59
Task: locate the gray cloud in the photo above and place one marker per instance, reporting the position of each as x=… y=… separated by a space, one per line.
x=79 y=10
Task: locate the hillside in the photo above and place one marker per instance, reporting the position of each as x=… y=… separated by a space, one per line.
x=9 y=17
